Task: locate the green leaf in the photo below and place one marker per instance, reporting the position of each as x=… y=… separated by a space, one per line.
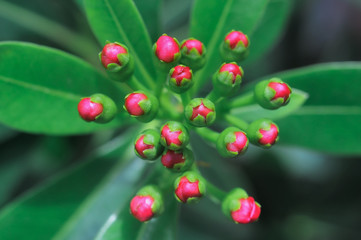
x=119 y=21
x=212 y=20
x=330 y=119
x=42 y=88
x=254 y=111
x=150 y=12
x=74 y=204
x=270 y=28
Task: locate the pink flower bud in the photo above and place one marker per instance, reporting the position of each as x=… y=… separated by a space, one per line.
x=110 y=54
x=171 y=158
x=282 y=90
x=181 y=72
x=141 y=207
x=232 y=68
x=240 y=144
x=235 y=37
x=193 y=44
x=269 y=137
x=174 y=135
x=187 y=189
x=167 y=49
x=89 y=110
x=140 y=146
x=248 y=211
x=132 y=102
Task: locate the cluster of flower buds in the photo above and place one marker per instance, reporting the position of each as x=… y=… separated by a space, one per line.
x=180 y=114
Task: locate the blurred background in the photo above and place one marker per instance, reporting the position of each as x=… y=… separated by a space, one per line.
x=304 y=194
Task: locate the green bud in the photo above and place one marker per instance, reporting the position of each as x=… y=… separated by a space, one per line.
x=227 y=80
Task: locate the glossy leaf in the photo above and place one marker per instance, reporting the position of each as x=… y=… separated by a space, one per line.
x=254 y=111
x=74 y=204
x=150 y=12
x=269 y=30
x=43 y=87
x=330 y=119
x=212 y=20
x=119 y=21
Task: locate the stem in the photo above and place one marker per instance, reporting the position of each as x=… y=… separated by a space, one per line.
x=207 y=134
x=135 y=84
x=214 y=97
x=169 y=110
x=186 y=98
x=214 y=193
x=246 y=99
x=59 y=34
x=243 y=125
x=161 y=79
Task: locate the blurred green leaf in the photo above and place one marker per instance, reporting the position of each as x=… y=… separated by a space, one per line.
x=43 y=88
x=76 y=203
x=255 y=111
x=150 y=12
x=270 y=28
x=119 y=21
x=330 y=119
x=212 y=20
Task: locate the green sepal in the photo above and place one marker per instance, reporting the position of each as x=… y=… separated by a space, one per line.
x=199 y=121
x=122 y=72
x=155 y=193
x=184 y=86
x=188 y=157
x=151 y=137
x=264 y=94
x=192 y=177
x=109 y=108
x=254 y=134
x=193 y=59
x=237 y=54
x=223 y=82
x=164 y=66
x=228 y=136
x=232 y=201
x=150 y=107
x=183 y=136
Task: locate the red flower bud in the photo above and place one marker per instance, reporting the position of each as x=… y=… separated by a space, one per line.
x=232 y=68
x=189 y=188
x=200 y=112
x=269 y=136
x=193 y=53
x=263 y=133
x=248 y=211
x=232 y=142
x=167 y=49
x=177 y=160
x=89 y=110
x=282 y=90
x=140 y=146
x=239 y=144
x=180 y=78
x=174 y=135
x=141 y=208
x=190 y=44
x=110 y=54
x=132 y=102
x=235 y=37
x=272 y=93
x=147 y=145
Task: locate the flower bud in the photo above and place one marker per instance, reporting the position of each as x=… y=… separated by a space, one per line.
x=235 y=46
x=177 y=161
x=232 y=142
x=174 y=135
x=180 y=79
x=166 y=50
x=240 y=207
x=272 y=93
x=117 y=60
x=227 y=80
x=189 y=187
x=147 y=203
x=193 y=53
x=98 y=108
x=143 y=106
x=147 y=145
x=263 y=133
x=200 y=112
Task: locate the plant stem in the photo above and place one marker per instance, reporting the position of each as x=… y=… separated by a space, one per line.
x=207 y=134
x=243 y=125
x=161 y=79
x=246 y=99
x=214 y=193
x=186 y=98
x=214 y=97
x=135 y=84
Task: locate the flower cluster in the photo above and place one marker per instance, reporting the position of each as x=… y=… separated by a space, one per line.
x=174 y=114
